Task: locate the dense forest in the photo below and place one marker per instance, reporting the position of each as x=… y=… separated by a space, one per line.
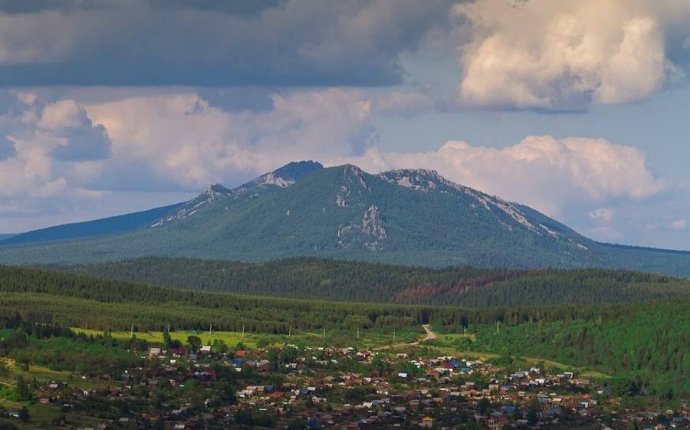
x=74 y=300
x=371 y=282
x=645 y=349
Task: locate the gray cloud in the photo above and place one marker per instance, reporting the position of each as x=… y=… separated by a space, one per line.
x=266 y=43
x=6 y=148
x=87 y=143
x=33 y=6
x=233 y=7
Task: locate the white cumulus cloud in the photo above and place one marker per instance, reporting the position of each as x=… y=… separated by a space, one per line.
x=545 y=54
x=182 y=140
x=49 y=149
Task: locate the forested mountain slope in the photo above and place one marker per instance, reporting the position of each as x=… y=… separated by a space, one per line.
x=81 y=230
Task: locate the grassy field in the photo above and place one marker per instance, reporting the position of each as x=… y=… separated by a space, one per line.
x=367 y=339
x=45 y=375
x=230 y=338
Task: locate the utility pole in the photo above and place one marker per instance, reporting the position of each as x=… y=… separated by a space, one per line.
x=210 y=330
x=131 y=332
x=498 y=326
x=242 y=330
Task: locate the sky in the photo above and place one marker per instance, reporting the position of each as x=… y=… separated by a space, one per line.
x=578 y=109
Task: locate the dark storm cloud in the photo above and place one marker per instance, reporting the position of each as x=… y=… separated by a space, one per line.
x=33 y=6
x=212 y=43
x=234 y=7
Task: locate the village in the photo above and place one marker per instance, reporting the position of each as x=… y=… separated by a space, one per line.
x=298 y=387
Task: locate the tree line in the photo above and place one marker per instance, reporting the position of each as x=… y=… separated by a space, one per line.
x=373 y=282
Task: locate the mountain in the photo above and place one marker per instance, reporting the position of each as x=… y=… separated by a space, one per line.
x=80 y=230
x=412 y=217
x=282 y=177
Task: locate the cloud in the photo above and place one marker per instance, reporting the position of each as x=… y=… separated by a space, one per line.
x=541 y=171
x=212 y=43
x=602 y=214
x=666 y=225
x=180 y=140
x=404 y=103
x=33 y=6
x=62 y=114
x=48 y=149
x=679 y=224
x=234 y=7
x=543 y=54
x=76 y=137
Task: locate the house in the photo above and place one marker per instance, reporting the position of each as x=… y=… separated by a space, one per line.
x=178 y=352
x=553 y=412
x=427 y=422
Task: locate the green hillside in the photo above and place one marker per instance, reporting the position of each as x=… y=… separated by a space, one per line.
x=644 y=347
x=371 y=282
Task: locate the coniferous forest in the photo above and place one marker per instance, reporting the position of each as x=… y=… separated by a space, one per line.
x=371 y=282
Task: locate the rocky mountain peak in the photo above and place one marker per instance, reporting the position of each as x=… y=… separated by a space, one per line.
x=288 y=174
x=355 y=175
x=215 y=191
x=416 y=179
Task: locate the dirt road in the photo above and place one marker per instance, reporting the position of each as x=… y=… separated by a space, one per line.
x=428 y=335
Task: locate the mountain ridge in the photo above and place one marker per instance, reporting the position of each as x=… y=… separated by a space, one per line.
x=87 y=229
x=405 y=216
